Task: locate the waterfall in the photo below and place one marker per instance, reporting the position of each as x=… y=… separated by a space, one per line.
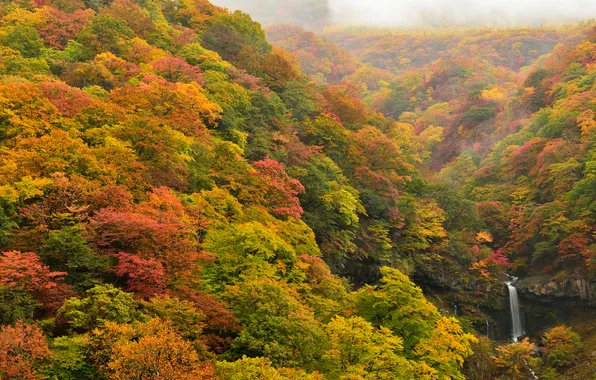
x=487 y=329
x=516 y=317
x=531 y=370
x=455 y=309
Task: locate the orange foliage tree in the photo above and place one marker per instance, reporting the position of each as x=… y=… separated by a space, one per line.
x=146 y=350
x=23 y=352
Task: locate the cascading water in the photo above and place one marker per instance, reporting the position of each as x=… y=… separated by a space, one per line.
x=516 y=317
x=531 y=370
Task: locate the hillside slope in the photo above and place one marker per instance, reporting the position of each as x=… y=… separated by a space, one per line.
x=170 y=184
x=509 y=114
x=179 y=200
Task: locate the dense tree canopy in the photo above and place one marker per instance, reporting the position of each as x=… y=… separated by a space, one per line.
x=180 y=199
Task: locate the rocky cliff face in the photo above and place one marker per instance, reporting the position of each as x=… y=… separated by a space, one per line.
x=573 y=287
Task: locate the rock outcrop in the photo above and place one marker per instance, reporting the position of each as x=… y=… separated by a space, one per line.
x=573 y=287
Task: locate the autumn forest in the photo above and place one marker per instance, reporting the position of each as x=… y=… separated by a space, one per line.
x=193 y=192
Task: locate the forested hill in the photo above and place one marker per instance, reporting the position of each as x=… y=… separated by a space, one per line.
x=507 y=118
x=434 y=78
x=179 y=200
x=500 y=107
x=494 y=111
x=172 y=190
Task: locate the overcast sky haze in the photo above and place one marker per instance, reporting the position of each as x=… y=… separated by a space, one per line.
x=420 y=13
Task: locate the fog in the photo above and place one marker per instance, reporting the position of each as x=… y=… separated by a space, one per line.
x=436 y=13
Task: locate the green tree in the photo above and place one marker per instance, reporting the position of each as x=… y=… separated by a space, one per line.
x=399 y=305
x=67 y=251
x=103 y=303
x=397 y=103
x=16 y=305
x=360 y=351
x=69 y=360
x=562 y=346
x=104 y=33
x=329 y=133
x=183 y=315
x=231 y=34
x=5 y=225
x=332 y=208
x=424 y=224
x=25 y=39
x=299 y=100
x=276 y=324
x=246 y=248
x=478 y=115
